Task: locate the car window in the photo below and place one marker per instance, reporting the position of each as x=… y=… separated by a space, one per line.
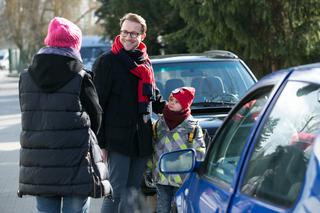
x=213 y=81
x=227 y=146
x=278 y=163
x=89 y=53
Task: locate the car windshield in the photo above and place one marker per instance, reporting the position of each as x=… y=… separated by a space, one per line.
x=216 y=82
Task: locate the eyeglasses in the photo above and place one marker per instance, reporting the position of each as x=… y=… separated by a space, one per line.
x=132 y=34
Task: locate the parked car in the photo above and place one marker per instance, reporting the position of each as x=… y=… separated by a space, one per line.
x=259 y=159
x=4 y=59
x=219 y=77
x=93 y=46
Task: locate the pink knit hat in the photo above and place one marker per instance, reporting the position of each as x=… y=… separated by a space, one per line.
x=184 y=95
x=63 y=33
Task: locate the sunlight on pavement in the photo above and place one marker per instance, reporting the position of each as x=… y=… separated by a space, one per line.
x=9 y=117
x=9 y=146
x=7 y=120
x=9 y=163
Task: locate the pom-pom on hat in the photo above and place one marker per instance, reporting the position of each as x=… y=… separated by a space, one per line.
x=184 y=95
x=63 y=33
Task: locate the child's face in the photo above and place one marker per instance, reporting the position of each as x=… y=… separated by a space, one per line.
x=174 y=104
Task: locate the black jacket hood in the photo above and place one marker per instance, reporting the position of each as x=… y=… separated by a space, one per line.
x=51 y=72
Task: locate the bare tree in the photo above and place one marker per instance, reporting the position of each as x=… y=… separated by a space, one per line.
x=25 y=22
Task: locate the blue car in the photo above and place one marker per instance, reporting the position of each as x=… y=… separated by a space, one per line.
x=265 y=157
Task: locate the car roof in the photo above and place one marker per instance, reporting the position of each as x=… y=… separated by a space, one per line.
x=308 y=73
x=213 y=55
x=270 y=79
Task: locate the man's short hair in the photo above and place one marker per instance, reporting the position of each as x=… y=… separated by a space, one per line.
x=135 y=18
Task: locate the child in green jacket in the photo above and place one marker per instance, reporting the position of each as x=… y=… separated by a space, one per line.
x=173 y=132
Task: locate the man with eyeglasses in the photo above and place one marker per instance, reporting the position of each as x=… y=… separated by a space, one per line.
x=125 y=85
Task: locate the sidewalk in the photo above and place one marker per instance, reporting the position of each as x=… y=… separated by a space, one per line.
x=9 y=147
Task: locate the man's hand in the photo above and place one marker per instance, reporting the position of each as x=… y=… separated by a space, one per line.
x=104 y=154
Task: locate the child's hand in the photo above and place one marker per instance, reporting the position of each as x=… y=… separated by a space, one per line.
x=104 y=154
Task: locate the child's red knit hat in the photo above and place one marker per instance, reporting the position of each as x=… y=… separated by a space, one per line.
x=63 y=33
x=184 y=95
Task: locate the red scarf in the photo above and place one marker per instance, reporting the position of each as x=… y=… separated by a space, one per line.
x=173 y=119
x=143 y=70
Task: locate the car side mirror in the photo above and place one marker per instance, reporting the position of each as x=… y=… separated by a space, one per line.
x=180 y=161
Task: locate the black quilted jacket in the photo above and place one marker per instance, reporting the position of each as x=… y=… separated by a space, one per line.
x=55 y=129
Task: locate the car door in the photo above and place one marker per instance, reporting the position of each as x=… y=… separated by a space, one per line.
x=211 y=188
x=275 y=168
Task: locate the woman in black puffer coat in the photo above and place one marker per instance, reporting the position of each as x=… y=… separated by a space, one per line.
x=60 y=117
